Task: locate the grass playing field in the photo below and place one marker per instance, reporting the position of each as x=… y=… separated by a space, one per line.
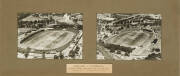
x=49 y=39
x=135 y=39
x=130 y=38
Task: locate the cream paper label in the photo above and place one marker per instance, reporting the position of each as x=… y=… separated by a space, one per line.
x=88 y=68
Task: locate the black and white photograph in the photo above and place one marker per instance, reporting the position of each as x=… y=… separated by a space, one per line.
x=49 y=35
x=128 y=36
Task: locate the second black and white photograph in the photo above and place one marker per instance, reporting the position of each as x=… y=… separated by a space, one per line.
x=128 y=36
x=50 y=35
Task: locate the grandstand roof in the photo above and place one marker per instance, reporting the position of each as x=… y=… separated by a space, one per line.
x=31 y=18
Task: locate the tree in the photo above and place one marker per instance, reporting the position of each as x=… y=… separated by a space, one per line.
x=126 y=54
x=112 y=50
x=55 y=57
x=27 y=52
x=153 y=56
x=157 y=50
x=76 y=50
x=79 y=27
x=26 y=55
x=118 y=52
x=105 y=36
x=154 y=41
x=61 y=56
x=43 y=55
x=72 y=54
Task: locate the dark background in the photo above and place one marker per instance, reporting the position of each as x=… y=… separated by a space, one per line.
x=11 y=66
